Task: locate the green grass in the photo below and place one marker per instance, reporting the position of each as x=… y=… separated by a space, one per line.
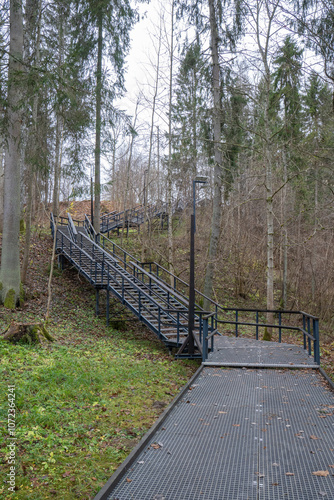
x=84 y=401
x=80 y=410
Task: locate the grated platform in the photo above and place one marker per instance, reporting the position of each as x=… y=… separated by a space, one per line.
x=240 y=434
x=232 y=351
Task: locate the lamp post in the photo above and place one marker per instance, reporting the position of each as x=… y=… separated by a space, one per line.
x=191 y=313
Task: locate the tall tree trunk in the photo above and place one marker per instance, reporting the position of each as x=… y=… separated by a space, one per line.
x=1 y=182
x=33 y=149
x=128 y=170
x=10 y=261
x=285 y=233
x=158 y=162
x=169 y=172
x=147 y=236
x=59 y=126
x=263 y=45
x=97 y=186
x=216 y=209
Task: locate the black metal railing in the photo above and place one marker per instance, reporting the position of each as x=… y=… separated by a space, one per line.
x=170 y=292
x=101 y=270
x=130 y=217
x=90 y=228
x=308 y=324
x=71 y=228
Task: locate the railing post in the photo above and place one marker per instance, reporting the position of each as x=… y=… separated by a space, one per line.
x=280 y=329
x=205 y=339
x=178 y=328
x=304 y=328
x=309 y=338
x=139 y=304
x=159 y=321
x=107 y=312
x=97 y=305
x=236 y=322
x=212 y=328
x=316 y=341
x=257 y=325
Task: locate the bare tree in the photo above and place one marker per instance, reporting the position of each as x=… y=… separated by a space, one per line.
x=10 y=260
x=217 y=120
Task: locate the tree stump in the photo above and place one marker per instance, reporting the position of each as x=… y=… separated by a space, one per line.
x=26 y=333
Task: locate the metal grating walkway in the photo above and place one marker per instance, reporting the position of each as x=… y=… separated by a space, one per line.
x=240 y=351
x=240 y=434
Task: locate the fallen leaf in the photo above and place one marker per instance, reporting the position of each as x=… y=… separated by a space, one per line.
x=321 y=473
x=235 y=425
x=313 y=437
x=331 y=466
x=289 y=474
x=128 y=480
x=156 y=446
x=222 y=412
x=274 y=484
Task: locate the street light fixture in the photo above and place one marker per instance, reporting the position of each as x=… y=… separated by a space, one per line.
x=191 y=313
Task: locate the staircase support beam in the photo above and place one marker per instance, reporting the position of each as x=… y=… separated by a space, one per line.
x=97 y=302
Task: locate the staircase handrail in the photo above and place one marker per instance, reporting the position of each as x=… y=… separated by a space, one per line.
x=71 y=227
x=109 y=275
x=124 y=252
x=162 y=284
x=109 y=256
x=113 y=212
x=89 y=226
x=137 y=264
x=176 y=278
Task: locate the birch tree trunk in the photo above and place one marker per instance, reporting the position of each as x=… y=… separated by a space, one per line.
x=267 y=148
x=97 y=186
x=216 y=209
x=10 y=261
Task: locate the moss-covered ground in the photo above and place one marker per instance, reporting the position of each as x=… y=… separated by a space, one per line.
x=83 y=401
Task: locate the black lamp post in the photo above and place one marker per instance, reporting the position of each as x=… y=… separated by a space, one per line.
x=191 y=313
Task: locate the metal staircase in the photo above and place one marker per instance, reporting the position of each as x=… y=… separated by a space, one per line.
x=132 y=217
x=159 y=299
x=108 y=267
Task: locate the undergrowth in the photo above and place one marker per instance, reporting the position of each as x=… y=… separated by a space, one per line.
x=84 y=401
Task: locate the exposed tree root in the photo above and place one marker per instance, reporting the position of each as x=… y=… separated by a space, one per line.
x=26 y=333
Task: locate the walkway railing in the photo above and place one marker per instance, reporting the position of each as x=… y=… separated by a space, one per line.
x=169 y=293
x=308 y=324
x=159 y=311
x=130 y=217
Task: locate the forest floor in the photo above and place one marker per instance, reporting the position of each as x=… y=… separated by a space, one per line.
x=84 y=400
